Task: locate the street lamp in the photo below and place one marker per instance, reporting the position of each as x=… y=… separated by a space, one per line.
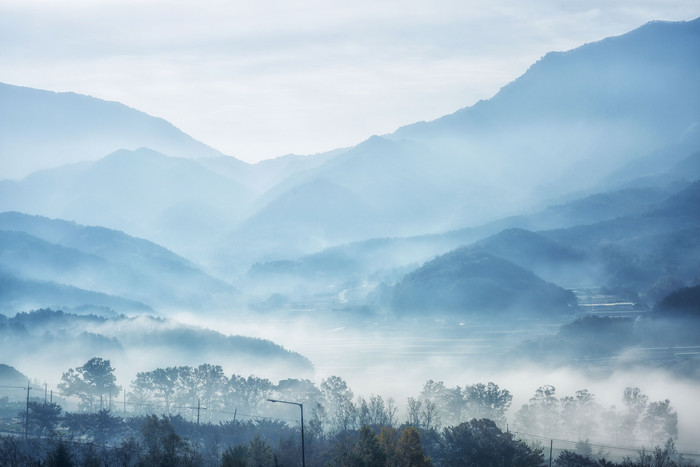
x=301 y=406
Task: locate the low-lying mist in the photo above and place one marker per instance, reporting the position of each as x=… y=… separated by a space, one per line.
x=394 y=359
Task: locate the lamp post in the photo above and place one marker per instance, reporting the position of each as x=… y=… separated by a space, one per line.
x=301 y=406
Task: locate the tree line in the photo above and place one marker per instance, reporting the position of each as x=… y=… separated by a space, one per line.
x=441 y=426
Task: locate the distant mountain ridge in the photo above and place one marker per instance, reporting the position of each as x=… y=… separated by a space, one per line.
x=576 y=121
x=56 y=255
x=620 y=97
x=43 y=129
x=571 y=120
x=168 y=200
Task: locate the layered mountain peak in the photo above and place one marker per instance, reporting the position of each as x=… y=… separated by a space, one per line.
x=44 y=129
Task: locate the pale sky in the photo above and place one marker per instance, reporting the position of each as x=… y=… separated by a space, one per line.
x=260 y=79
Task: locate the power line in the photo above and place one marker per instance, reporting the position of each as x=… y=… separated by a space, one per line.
x=604 y=446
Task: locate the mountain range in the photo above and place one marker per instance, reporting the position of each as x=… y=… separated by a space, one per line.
x=69 y=265
x=588 y=162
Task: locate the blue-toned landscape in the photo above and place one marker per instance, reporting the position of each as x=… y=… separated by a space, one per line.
x=513 y=283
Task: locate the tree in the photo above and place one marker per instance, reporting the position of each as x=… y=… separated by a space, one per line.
x=164 y=447
x=482 y=443
x=634 y=402
x=568 y=458
x=43 y=417
x=186 y=391
x=579 y=413
x=488 y=401
x=317 y=422
x=541 y=414
x=303 y=391
x=60 y=456
x=368 y=451
x=410 y=451
x=339 y=398
x=235 y=456
x=101 y=425
x=260 y=453
x=660 y=422
x=160 y=383
x=413 y=408
x=13 y=452
x=430 y=417
x=94 y=380
x=211 y=383
x=247 y=394
x=441 y=404
x=388 y=440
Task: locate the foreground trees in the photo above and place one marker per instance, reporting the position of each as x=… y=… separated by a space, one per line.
x=482 y=443
x=443 y=426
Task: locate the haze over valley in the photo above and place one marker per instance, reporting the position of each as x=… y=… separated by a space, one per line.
x=546 y=236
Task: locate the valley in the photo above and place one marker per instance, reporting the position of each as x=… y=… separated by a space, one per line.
x=547 y=236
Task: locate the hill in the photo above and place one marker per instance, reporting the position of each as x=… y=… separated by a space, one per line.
x=37 y=250
x=684 y=302
x=469 y=281
x=9 y=376
x=51 y=338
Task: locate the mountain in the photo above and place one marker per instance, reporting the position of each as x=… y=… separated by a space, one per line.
x=99 y=260
x=43 y=129
x=576 y=115
x=512 y=238
x=650 y=253
x=17 y=293
x=554 y=133
x=266 y=174
x=378 y=188
x=166 y=199
x=468 y=281
x=535 y=252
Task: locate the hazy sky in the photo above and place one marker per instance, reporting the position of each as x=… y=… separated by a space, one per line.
x=259 y=79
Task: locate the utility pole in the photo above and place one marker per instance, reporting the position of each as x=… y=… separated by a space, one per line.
x=26 y=416
x=46 y=386
x=551 y=443
x=199 y=401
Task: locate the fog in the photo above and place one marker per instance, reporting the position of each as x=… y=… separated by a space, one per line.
x=546 y=240
x=396 y=359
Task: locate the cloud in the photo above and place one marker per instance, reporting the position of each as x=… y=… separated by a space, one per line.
x=261 y=79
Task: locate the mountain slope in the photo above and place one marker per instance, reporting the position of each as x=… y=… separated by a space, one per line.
x=650 y=253
x=165 y=199
x=569 y=121
x=43 y=129
x=617 y=98
x=17 y=294
x=102 y=260
x=469 y=281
